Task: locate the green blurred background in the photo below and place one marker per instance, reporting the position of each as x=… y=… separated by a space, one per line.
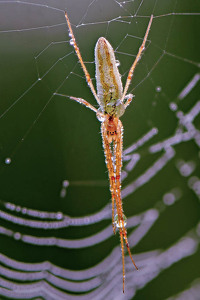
x=50 y=139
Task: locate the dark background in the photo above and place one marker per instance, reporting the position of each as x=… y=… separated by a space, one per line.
x=50 y=138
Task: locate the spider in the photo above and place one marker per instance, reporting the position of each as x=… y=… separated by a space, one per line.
x=113 y=101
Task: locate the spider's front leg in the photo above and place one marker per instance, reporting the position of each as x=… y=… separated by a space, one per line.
x=129 y=98
x=99 y=114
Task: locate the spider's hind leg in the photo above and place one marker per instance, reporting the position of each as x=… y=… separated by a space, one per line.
x=110 y=167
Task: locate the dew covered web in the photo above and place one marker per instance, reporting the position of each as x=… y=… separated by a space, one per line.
x=56 y=233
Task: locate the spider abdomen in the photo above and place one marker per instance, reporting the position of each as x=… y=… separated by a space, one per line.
x=109 y=84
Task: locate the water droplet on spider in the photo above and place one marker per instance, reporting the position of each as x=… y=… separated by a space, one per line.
x=100 y=117
x=119 y=223
x=8 y=160
x=70 y=35
x=71 y=42
x=118 y=102
x=158 y=89
x=117 y=63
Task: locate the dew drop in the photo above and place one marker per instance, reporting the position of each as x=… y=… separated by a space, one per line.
x=63 y=193
x=100 y=116
x=10 y=206
x=71 y=42
x=169 y=198
x=118 y=223
x=18 y=208
x=117 y=63
x=196 y=187
x=24 y=210
x=17 y=236
x=155 y=130
x=8 y=160
x=158 y=89
x=186 y=168
x=173 y=106
x=59 y=216
x=65 y=183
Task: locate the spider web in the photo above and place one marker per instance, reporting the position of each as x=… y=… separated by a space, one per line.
x=55 y=218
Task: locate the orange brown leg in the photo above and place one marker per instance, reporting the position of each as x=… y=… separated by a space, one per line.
x=118 y=165
x=109 y=163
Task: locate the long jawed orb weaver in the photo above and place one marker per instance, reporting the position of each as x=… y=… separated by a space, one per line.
x=112 y=105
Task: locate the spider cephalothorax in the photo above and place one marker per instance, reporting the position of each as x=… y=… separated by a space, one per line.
x=112 y=127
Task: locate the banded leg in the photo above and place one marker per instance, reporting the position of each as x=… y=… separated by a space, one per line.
x=76 y=48
x=84 y=102
x=130 y=74
x=118 y=145
x=111 y=172
x=128 y=101
x=117 y=149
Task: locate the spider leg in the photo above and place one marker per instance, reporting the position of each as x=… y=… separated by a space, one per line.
x=117 y=149
x=87 y=75
x=84 y=102
x=129 y=98
x=130 y=74
x=121 y=218
x=111 y=171
x=122 y=248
